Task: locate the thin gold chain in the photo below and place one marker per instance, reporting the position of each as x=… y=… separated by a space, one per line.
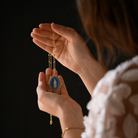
x=51 y=121
x=50 y=60
x=54 y=64
x=54 y=48
x=71 y=128
x=50 y=56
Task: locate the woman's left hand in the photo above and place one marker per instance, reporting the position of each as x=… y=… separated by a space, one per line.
x=59 y=104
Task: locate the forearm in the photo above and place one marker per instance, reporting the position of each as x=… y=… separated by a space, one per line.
x=71 y=119
x=91 y=73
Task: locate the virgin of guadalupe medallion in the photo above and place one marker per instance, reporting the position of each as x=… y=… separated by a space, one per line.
x=54 y=83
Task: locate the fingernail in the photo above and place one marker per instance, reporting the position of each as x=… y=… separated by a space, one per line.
x=40 y=83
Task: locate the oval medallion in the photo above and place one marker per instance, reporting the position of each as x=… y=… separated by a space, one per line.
x=54 y=83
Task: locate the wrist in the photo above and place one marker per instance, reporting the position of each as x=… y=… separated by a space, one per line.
x=71 y=117
x=91 y=72
x=87 y=64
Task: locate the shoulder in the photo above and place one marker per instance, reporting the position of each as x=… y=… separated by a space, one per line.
x=127 y=71
x=113 y=110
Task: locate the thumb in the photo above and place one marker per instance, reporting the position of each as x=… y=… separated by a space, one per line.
x=41 y=88
x=63 y=31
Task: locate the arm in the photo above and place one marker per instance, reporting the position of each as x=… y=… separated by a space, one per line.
x=72 y=118
x=91 y=73
x=61 y=105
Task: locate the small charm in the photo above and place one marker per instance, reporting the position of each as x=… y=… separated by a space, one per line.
x=54 y=83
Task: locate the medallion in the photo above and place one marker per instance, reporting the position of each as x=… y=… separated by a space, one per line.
x=54 y=83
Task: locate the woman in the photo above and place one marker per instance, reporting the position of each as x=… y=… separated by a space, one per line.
x=113 y=110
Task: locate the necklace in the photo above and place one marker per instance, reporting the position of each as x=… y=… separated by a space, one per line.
x=54 y=81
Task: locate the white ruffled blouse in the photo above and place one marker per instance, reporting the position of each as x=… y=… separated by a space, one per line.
x=113 y=109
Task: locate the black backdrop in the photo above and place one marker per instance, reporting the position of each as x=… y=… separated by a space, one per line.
x=22 y=60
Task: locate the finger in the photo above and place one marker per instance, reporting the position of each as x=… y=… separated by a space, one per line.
x=41 y=83
x=48 y=73
x=63 y=89
x=47 y=41
x=45 y=33
x=43 y=46
x=46 y=26
x=44 y=40
x=65 y=32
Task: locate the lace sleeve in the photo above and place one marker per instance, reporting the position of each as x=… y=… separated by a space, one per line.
x=113 y=110
x=127 y=123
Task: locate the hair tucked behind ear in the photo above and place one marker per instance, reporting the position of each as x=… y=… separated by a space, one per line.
x=111 y=23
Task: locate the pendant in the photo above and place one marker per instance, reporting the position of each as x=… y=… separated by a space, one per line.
x=54 y=83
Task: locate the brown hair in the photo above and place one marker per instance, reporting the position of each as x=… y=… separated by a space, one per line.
x=111 y=23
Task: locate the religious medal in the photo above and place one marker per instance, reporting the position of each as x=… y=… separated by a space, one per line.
x=54 y=81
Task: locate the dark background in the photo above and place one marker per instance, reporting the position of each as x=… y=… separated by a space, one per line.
x=22 y=60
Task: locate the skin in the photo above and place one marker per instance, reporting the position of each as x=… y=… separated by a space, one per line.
x=72 y=52
x=59 y=104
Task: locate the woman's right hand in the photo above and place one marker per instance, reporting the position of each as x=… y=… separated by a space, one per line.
x=71 y=50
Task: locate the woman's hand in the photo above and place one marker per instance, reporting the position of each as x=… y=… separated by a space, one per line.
x=59 y=104
x=71 y=50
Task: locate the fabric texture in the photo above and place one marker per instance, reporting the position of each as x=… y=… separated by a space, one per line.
x=113 y=108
